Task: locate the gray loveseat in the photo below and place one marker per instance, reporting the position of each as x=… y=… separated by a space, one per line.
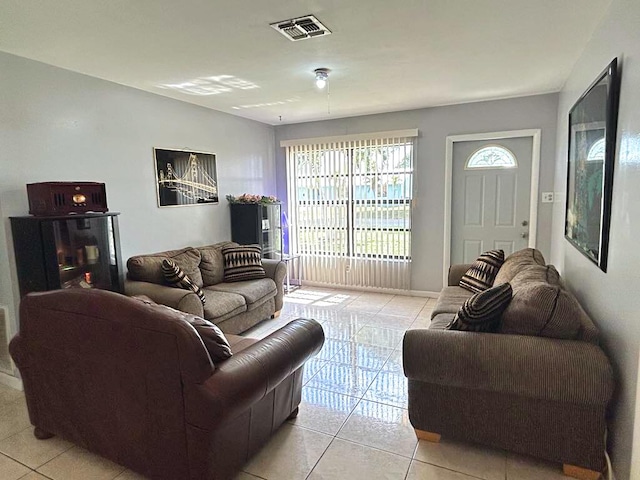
x=531 y=394
x=233 y=307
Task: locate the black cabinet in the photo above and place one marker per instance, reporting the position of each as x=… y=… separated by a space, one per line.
x=72 y=251
x=253 y=223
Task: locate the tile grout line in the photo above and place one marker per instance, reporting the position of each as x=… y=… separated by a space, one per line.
x=320 y=458
x=253 y=475
x=79 y=447
x=406 y=475
x=449 y=469
x=373 y=448
x=31 y=468
x=17 y=461
x=354 y=397
x=377 y=448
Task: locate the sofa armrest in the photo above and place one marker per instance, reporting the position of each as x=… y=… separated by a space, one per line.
x=535 y=367
x=276 y=270
x=178 y=298
x=249 y=375
x=456 y=272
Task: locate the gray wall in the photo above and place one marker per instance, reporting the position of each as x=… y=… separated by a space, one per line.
x=435 y=124
x=611 y=298
x=59 y=125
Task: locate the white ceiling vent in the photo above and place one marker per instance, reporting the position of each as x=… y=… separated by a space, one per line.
x=301 y=28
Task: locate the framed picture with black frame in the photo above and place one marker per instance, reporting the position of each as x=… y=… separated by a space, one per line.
x=185 y=177
x=592 y=144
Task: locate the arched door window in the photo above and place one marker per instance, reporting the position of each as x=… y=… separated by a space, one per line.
x=491 y=156
x=596 y=152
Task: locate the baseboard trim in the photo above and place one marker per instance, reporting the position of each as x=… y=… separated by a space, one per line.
x=393 y=291
x=11 y=381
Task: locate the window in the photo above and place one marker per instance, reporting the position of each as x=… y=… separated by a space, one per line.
x=351 y=204
x=491 y=156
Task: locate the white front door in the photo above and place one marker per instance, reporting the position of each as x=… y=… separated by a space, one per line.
x=490 y=198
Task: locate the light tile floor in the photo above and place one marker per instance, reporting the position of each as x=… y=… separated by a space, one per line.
x=353 y=422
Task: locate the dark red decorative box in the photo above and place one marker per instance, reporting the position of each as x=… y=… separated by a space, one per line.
x=63 y=198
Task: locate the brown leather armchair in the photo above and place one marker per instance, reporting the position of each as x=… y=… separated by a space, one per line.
x=134 y=383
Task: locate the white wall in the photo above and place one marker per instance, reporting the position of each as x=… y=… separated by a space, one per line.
x=611 y=298
x=435 y=124
x=60 y=125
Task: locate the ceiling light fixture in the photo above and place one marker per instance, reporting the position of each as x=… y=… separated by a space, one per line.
x=322 y=77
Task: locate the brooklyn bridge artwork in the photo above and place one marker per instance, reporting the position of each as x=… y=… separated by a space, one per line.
x=185 y=178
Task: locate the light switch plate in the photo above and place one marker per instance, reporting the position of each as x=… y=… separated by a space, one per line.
x=547 y=197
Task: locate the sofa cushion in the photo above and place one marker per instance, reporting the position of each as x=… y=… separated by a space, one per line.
x=440 y=321
x=212 y=262
x=148 y=268
x=222 y=305
x=243 y=262
x=515 y=263
x=536 y=273
x=214 y=340
x=255 y=292
x=174 y=275
x=483 y=271
x=481 y=312
x=541 y=309
x=450 y=300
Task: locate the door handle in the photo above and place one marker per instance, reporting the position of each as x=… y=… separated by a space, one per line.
x=524 y=234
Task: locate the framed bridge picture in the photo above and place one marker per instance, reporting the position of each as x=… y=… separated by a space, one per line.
x=185 y=177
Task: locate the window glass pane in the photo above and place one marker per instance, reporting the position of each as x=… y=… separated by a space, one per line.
x=322 y=188
x=323 y=216
x=596 y=152
x=492 y=156
x=382 y=216
x=322 y=163
x=322 y=241
x=382 y=243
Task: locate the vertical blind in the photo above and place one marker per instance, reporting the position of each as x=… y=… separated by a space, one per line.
x=350 y=208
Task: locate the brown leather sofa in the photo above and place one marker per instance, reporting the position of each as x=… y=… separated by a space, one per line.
x=133 y=382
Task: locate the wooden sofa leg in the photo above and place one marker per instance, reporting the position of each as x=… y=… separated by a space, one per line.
x=580 y=473
x=41 y=434
x=277 y=314
x=428 y=436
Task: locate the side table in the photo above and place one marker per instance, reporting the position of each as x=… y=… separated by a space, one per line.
x=288 y=260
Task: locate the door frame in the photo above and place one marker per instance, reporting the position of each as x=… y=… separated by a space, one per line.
x=535 y=134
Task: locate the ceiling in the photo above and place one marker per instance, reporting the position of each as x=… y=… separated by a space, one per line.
x=383 y=55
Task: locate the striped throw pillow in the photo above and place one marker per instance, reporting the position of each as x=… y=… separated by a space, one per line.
x=243 y=262
x=482 y=312
x=175 y=276
x=483 y=271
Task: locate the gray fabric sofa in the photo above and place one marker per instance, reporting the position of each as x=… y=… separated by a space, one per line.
x=233 y=307
x=534 y=395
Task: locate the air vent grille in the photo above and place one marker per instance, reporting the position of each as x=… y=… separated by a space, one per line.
x=301 y=28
